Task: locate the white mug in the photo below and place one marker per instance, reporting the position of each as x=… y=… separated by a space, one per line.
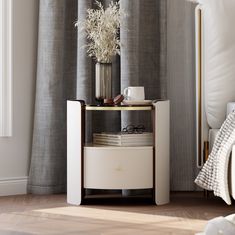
x=134 y=93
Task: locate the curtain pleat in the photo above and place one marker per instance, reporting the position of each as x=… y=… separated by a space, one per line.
x=142 y=55
x=48 y=162
x=181 y=92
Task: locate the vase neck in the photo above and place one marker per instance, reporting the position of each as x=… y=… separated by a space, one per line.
x=103 y=63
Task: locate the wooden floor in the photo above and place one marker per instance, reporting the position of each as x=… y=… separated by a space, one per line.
x=30 y=215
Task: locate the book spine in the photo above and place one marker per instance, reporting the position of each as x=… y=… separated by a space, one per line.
x=106 y=136
x=112 y=143
x=135 y=145
x=119 y=136
x=124 y=140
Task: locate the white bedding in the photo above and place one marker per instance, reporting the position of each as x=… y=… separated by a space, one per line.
x=231 y=168
x=220 y=225
x=214 y=174
x=212 y=136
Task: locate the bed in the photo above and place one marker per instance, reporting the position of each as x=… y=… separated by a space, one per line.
x=215 y=72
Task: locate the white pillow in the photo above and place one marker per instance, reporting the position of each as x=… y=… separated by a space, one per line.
x=220 y=225
x=219 y=58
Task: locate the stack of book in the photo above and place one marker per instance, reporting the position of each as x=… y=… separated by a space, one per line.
x=123 y=139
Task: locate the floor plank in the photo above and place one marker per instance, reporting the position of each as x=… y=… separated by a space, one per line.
x=51 y=215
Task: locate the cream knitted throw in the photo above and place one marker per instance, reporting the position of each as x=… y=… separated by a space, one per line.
x=214 y=174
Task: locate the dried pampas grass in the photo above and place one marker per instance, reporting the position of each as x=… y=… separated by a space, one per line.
x=102 y=30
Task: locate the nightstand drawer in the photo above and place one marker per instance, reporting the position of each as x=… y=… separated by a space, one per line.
x=118 y=167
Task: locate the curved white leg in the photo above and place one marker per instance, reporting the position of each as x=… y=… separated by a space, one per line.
x=162 y=152
x=74 y=152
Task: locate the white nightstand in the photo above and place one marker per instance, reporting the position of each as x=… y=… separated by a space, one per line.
x=111 y=167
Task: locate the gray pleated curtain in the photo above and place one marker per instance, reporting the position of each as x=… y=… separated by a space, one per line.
x=65 y=72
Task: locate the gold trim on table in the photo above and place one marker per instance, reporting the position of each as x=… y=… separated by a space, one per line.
x=119 y=108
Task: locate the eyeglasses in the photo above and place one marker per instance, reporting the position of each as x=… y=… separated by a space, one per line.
x=131 y=129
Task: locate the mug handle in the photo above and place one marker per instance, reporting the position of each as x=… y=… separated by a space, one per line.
x=125 y=93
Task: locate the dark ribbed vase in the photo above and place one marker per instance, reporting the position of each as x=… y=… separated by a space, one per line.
x=103 y=81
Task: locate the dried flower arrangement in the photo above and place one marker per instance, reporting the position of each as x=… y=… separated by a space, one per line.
x=102 y=27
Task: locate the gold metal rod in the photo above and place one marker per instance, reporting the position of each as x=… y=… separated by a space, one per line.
x=199 y=88
x=119 y=108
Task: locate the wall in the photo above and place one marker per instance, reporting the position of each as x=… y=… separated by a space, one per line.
x=15 y=151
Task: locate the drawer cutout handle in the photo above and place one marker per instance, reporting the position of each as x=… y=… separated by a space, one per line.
x=119 y=168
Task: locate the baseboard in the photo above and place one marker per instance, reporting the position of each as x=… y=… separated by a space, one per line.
x=13 y=186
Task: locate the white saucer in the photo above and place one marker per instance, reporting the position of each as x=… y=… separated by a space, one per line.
x=137 y=102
